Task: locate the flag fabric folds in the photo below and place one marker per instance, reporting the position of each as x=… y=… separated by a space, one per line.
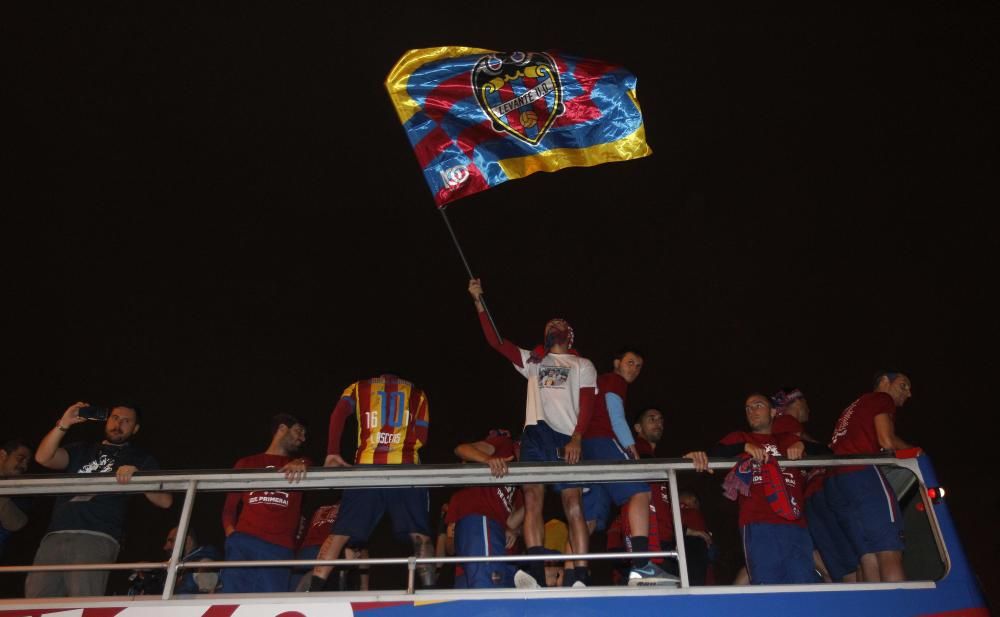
x=477 y=118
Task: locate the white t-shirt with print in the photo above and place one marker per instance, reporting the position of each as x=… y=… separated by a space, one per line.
x=554 y=389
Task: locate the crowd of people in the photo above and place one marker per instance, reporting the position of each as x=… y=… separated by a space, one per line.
x=797 y=526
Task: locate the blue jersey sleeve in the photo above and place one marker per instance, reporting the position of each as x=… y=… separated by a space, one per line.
x=616 y=412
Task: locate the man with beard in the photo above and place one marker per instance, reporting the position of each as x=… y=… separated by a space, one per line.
x=261 y=525
x=648 y=430
x=88 y=528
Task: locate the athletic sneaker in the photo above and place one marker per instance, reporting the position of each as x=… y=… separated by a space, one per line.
x=523 y=580
x=649 y=575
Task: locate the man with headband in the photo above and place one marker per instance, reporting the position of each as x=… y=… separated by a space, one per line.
x=562 y=388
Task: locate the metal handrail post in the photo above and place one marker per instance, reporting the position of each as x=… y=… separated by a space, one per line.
x=675 y=508
x=180 y=540
x=411 y=573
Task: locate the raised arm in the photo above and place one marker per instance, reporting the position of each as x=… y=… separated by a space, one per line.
x=506 y=349
x=49 y=453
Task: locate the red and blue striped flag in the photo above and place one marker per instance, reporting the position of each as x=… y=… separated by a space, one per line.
x=477 y=118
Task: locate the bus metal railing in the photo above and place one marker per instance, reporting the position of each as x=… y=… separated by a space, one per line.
x=384 y=476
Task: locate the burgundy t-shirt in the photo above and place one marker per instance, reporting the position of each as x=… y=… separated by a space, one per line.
x=600 y=422
x=320 y=525
x=754 y=507
x=854 y=432
x=271 y=515
x=494 y=502
x=660 y=495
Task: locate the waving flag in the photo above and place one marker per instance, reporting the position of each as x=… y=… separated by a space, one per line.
x=477 y=118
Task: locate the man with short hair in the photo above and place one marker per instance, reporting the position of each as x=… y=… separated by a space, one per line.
x=775 y=539
x=562 y=389
x=262 y=524
x=393 y=420
x=14 y=457
x=648 y=429
x=860 y=496
x=88 y=528
x=608 y=438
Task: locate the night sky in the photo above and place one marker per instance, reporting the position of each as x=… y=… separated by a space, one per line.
x=214 y=211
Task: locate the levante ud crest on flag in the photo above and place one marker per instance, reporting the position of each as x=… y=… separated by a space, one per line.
x=479 y=117
x=520 y=93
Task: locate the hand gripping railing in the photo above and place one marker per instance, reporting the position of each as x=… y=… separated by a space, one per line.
x=384 y=476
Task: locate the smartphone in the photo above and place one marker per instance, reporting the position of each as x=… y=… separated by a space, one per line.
x=561 y=453
x=97 y=414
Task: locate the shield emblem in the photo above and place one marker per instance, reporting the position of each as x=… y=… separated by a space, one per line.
x=520 y=93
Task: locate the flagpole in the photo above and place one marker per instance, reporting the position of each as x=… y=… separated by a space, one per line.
x=482 y=299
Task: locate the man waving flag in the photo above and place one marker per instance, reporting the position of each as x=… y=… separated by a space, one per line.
x=477 y=118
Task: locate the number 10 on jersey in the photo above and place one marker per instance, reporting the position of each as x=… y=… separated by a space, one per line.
x=392 y=411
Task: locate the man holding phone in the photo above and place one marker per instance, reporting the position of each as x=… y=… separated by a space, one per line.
x=88 y=528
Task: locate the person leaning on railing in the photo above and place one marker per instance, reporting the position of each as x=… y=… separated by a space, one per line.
x=775 y=538
x=860 y=496
x=14 y=457
x=88 y=528
x=262 y=525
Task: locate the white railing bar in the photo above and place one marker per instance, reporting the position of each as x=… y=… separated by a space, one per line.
x=82 y=567
x=180 y=540
x=428 y=560
x=675 y=507
x=376 y=561
x=388 y=476
x=411 y=574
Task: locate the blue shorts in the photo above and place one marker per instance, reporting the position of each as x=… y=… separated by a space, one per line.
x=361 y=509
x=778 y=554
x=828 y=537
x=540 y=443
x=244 y=547
x=477 y=536
x=597 y=498
x=866 y=509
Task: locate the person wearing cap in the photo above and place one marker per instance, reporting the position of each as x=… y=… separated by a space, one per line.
x=860 y=496
x=775 y=539
x=486 y=519
x=562 y=389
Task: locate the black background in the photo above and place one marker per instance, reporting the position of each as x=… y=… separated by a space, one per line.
x=213 y=210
